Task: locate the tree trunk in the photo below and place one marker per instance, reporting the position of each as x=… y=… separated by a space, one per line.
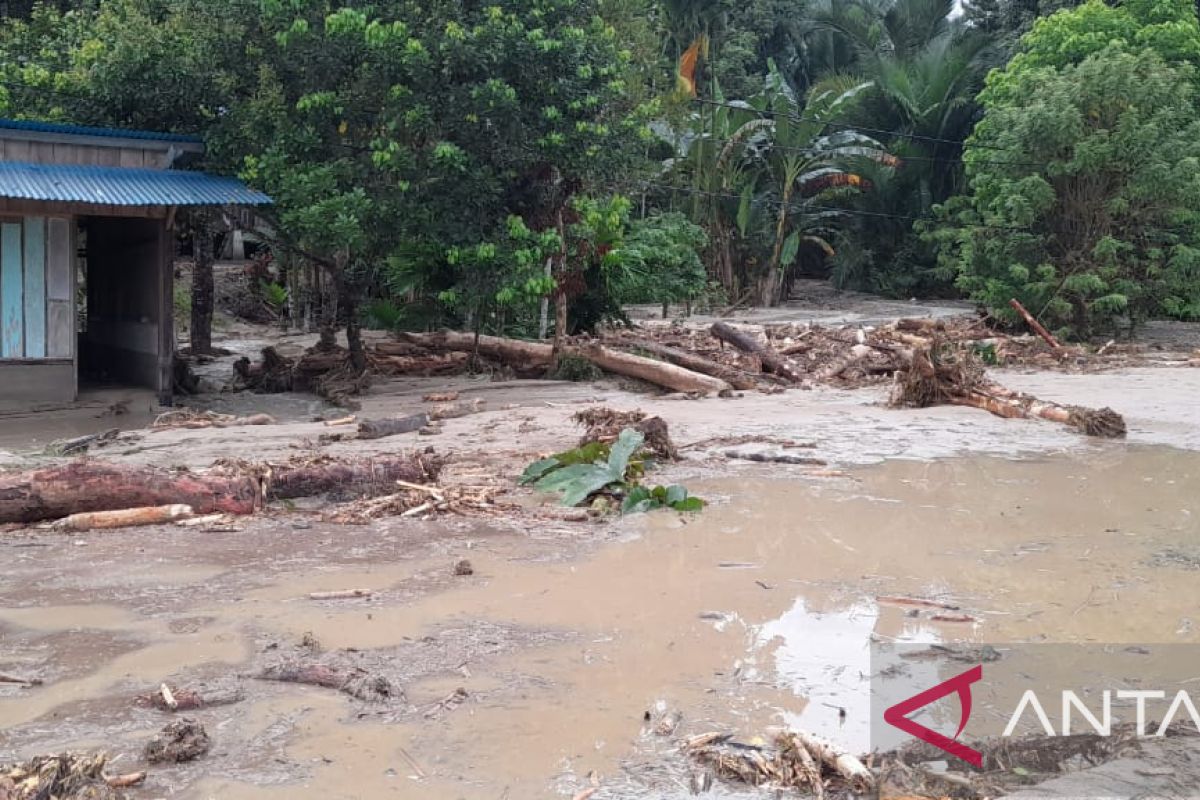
x=770 y=283
x=544 y=305
x=560 y=296
x=770 y=360
x=84 y=486
x=508 y=351
x=666 y=375
x=734 y=377
x=329 y=310
x=202 y=283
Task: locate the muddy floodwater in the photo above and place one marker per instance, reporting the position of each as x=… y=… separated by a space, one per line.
x=756 y=613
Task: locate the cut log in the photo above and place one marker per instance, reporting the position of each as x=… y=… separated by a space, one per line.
x=124 y=518
x=84 y=486
x=382 y=428
x=509 y=351
x=771 y=361
x=88 y=486
x=1035 y=325
x=668 y=376
x=343 y=594
x=681 y=358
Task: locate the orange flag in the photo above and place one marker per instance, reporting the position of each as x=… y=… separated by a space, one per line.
x=688 y=63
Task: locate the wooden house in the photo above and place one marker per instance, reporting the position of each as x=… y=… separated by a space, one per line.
x=86 y=249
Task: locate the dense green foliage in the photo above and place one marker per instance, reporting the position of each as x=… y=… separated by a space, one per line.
x=1094 y=223
x=476 y=165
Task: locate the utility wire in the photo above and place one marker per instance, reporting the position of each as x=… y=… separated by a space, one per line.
x=851 y=126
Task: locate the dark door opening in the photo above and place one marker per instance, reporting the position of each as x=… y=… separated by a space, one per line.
x=126 y=335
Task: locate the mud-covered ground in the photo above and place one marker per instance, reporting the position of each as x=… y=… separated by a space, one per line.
x=756 y=613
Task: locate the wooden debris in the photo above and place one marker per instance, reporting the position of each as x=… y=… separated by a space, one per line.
x=181 y=740
x=1035 y=325
x=849 y=767
x=507 y=351
x=70 y=776
x=192 y=419
x=80 y=444
x=447 y=703
x=345 y=594
x=168 y=699
x=124 y=518
x=771 y=361
x=232 y=488
x=357 y=683
x=798 y=760
x=126 y=781
x=775 y=458
x=440 y=397
x=456 y=410
x=681 y=358
x=605 y=424
x=20 y=681
x=348 y=420
x=463 y=568
x=668 y=376
x=382 y=428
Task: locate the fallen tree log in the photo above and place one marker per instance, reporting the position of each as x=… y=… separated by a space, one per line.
x=942 y=374
x=87 y=486
x=850 y=768
x=736 y=378
x=509 y=351
x=666 y=375
x=1034 y=325
x=124 y=518
x=770 y=360
x=1003 y=402
x=355 y=682
x=382 y=428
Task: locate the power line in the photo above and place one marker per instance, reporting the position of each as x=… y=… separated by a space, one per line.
x=851 y=126
x=814 y=151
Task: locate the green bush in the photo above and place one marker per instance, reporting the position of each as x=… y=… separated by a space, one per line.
x=661 y=260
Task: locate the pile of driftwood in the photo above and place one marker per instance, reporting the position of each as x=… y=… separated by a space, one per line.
x=89 y=494
x=67 y=776
x=796 y=760
x=929 y=362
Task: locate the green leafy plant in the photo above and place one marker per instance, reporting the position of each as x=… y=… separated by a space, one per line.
x=384 y=315
x=615 y=470
x=274 y=295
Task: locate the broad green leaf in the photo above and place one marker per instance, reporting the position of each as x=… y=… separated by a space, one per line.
x=791 y=246
x=745 y=207
x=689 y=504
x=538 y=469
x=622 y=451
x=675 y=494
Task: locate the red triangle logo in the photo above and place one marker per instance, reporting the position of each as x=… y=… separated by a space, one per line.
x=898 y=715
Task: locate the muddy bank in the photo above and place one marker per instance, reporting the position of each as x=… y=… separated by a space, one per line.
x=756 y=613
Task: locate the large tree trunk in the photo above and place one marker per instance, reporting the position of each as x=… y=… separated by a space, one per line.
x=666 y=375
x=681 y=358
x=770 y=360
x=202 y=283
x=84 y=486
x=509 y=351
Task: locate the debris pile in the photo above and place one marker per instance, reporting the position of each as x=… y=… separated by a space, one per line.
x=71 y=776
x=795 y=760
x=180 y=741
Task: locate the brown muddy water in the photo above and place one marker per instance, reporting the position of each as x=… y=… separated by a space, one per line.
x=757 y=613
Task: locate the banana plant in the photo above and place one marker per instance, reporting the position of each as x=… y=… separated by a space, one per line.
x=793 y=159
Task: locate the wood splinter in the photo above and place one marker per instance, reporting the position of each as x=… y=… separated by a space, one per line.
x=346 y=594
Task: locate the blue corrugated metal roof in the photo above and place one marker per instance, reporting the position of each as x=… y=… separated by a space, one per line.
x=85 y=130
x=122 y=186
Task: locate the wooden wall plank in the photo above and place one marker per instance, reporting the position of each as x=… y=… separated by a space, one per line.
x=35 y=287
x=12 y=305
x=16 y=150
x=58 y=264
x=41 y=152
x=60 y=329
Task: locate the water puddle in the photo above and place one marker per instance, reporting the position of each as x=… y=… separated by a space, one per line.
x=758 y=612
